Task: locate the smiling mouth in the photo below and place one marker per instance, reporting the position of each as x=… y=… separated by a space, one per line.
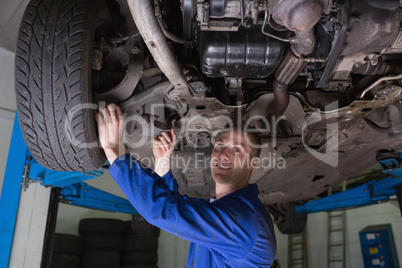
x=223 y=167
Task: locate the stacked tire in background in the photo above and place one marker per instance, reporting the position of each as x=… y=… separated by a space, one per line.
x=108 y=243
x=103 y=240
x=66 y=251
x=141 y=244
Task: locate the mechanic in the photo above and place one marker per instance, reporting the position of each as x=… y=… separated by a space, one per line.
x=233 y=230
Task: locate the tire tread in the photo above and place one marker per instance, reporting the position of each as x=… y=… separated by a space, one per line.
x=49 y=69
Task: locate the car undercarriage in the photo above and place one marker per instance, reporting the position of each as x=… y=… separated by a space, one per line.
x=319 y=80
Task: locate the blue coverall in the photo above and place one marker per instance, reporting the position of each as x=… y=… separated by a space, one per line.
x=233 y=231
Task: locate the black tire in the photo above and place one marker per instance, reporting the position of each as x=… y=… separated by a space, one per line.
x=139 y=257
x=54 y=79
x=147 y=243
x=107 y=242
x=140 y=227
x=287 y=219
x=60 y=260
x=66 y=243
x=100 y=258
x=101 y=226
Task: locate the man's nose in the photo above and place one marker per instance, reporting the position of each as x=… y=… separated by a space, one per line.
x=223 y=154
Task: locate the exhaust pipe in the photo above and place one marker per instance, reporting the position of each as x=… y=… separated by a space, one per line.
x=150 y=30
x=281 y=99
x=299 y=16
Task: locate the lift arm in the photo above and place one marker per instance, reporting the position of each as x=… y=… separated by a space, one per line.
x=369 y=193
x=73 y=190
x=83 y=195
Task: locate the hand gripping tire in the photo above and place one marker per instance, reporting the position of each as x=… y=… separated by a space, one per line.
x=54 y=80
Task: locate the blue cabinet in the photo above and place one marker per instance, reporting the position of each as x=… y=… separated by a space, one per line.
x=378 y=247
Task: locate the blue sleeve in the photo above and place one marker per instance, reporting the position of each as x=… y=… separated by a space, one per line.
x=232 y=232
x=171 y=182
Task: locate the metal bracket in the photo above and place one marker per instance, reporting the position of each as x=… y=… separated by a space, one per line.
x=26 y=180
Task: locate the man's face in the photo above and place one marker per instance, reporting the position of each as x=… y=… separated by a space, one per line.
x=231 y=162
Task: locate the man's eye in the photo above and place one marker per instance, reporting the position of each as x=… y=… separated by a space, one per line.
x=219 y=146
x=236 y=150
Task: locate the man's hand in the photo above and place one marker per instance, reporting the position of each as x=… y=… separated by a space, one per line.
x=111 y=126
x=163 y=146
